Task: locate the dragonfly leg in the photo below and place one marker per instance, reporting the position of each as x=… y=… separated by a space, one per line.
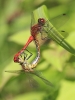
x=25 y=54
x=29 y=55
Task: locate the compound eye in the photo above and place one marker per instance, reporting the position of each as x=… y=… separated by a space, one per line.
x=41 y=21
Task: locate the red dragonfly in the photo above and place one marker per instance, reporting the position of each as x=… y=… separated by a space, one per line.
x=42 y=27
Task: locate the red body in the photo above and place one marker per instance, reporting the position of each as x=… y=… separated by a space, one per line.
x=34 y=31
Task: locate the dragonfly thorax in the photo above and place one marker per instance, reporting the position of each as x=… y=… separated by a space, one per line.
x=25 y=65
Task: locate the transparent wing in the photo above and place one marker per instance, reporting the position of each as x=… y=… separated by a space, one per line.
x=60 y=20
x=37 y=73
x=64 y=33
x=33 y=20
x=57 y=22
x=49 y=29
x=32 y=81
x=15 y=71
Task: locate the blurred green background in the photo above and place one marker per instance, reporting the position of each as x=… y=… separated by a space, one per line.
x=56 y=64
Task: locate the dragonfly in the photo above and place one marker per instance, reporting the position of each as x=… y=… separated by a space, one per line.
x=42 y=26
x=29 y=67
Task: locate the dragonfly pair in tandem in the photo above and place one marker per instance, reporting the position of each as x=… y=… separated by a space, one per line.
x=41 y=27
x=22 y=58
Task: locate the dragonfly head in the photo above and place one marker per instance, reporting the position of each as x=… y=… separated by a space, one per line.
x=41 y=21
x=16 y=59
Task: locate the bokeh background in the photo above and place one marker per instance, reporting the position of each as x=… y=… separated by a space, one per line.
x=56 y=64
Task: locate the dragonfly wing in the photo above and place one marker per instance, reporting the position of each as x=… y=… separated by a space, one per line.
x=33 y=20
x=37 y=73
x=15 y=71
x=63 y=33
x=48 y=29
x=59 y=20
x=43 y=32
x=33 y=82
